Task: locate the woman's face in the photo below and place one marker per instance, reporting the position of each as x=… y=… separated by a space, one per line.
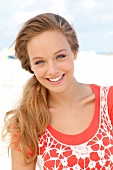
x=52 y=60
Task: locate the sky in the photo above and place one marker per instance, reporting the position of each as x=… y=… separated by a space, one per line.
x=92 y=20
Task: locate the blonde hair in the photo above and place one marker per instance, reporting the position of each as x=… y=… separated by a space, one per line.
x=31 y=117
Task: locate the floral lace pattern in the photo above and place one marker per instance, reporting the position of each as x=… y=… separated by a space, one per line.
x=95 y=154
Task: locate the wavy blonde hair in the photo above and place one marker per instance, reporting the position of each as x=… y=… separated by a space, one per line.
x=28 y=121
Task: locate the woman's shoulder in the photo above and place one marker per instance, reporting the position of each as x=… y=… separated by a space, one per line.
x=110 y=96
x=111 y=89
x=95 y=87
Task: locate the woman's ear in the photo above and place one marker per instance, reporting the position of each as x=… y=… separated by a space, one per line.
x=31 y=67
x=32 y=70
x=75 y=54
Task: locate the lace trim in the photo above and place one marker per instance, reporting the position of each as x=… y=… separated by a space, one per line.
x=97 y=153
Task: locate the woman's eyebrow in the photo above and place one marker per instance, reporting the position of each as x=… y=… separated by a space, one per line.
x=60 y=51
x=38 y=57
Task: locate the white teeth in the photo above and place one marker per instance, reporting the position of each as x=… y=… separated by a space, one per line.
x=56 y=79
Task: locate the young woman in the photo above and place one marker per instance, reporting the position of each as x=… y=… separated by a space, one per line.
x=60 y=124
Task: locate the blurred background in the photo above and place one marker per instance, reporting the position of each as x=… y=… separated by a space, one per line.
x=93 y=22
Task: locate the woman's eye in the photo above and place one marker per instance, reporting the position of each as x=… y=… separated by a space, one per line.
x=39 y=62
x=60 y=56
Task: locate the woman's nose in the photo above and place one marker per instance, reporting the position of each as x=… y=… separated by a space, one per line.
x=52 y=68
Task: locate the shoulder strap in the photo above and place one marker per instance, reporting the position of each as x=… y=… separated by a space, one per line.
x=104 y=104
x=103 y=98
x=104 y=93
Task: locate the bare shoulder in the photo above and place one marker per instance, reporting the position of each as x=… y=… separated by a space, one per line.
x=87 y=91
x=18 y=161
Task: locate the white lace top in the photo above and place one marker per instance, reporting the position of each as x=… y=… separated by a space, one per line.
x=95 y=153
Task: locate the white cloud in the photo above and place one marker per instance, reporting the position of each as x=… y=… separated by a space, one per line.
x=108 y=36
x=88 y=4
x=86 y=15
x=23 y=16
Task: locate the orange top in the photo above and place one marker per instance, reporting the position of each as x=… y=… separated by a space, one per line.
x=91 y=149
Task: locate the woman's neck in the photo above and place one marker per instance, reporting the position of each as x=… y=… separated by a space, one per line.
x=73 y=93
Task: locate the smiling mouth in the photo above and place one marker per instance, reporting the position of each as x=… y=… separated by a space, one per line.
x=56 y=79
